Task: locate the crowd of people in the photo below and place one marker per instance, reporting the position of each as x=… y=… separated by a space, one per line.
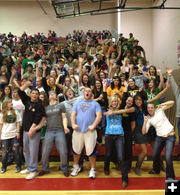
x=77 y=92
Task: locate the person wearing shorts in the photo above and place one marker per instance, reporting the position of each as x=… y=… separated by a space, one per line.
x=86 y=115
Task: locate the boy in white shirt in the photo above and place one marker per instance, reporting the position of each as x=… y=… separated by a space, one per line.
x=165 y=136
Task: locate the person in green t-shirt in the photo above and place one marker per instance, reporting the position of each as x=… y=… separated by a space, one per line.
x=153 y=90
x=28 y=60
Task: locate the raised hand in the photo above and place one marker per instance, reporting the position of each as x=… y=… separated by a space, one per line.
x=28 y=83
x=125 y=84
x=158 y=70
x=169 y=70
x=81 y=60
x=145 y=118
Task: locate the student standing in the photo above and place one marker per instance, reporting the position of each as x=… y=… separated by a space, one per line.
x=9 y=134
x=165 y=136
x=33 y=114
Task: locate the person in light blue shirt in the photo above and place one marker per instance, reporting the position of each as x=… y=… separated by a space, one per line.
x=114 y=138
x=85 y=110
x=86 y=115
x=114 y=125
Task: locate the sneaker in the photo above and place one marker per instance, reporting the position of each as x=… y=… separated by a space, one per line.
x=41 y=173
x=31 y=175
x=25 y=171
x=92 y=173
x=3 y=170
x=76 y=169
x=18 y=169
x=66 y=173
x=124 y=184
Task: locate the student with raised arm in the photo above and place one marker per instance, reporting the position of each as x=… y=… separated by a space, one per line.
x=140 y=110
x=176 y=92
x=33 y=114
x=165 y=136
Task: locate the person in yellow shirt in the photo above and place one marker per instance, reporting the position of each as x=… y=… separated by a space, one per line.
x=115 y=88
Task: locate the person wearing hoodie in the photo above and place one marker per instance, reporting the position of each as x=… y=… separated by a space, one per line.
x=176 y=92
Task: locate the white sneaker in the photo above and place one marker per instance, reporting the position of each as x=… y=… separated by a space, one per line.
x=25 y=171
x=31 y=175
x=76 y=169
x=92 y=173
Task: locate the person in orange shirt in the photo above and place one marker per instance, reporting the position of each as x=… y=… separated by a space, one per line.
x=115 y=88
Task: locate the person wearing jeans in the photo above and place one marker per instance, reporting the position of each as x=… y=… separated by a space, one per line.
x=165 y=136
x=55 y=133
x=114 y=138
x=9 y=134
x=176 y=92
x=33 y=116
x=160 y=143
x=59 y=138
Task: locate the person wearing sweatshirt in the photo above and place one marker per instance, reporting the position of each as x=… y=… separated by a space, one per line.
x=176 y=92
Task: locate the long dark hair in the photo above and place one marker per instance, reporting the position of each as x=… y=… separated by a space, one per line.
x=154 y=69
x=95 y=92
x=4 y=95
x=155 y=85
x=112 y=83
x=88 y=83
x=144 y=107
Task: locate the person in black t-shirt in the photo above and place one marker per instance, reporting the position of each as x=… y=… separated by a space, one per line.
x=33 y=115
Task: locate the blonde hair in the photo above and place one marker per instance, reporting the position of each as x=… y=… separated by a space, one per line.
x=113 y=98
x=4 y=68
x=5 y=111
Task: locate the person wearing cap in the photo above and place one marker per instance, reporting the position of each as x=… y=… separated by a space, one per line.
x=131 y=38
x=62 y=70
x=6 y=51
x=140 y=79
x=139 y=48
x=55 y=132
x=26 y=61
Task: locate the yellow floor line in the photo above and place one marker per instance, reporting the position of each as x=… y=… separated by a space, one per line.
x=84 y=192
x=54 y=173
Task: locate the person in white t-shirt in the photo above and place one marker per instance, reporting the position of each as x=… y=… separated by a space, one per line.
x=17 y=102
x=165 y=136
x=9 y=134
x=19 y=107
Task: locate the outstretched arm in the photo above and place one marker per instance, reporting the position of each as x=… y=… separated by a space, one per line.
x=166 y=105
x=173 y=83
x=160 y=94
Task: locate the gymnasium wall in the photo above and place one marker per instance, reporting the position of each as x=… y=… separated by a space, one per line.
x=166 y=33
x=20 y=16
